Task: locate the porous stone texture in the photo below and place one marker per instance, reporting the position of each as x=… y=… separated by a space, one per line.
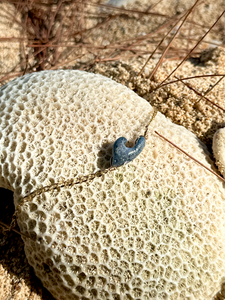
x=150 y=229
x=60 y=125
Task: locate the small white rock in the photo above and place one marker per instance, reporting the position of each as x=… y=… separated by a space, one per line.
x=219 y=149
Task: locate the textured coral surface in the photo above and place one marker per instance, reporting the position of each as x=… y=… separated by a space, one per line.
x=58 y=125
x=150 y=229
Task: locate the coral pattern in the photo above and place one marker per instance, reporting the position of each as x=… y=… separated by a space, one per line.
x=150 y=229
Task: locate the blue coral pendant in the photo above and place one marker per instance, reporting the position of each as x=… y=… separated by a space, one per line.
x=123 y=154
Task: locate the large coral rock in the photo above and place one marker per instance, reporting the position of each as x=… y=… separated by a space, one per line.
x=150 y=229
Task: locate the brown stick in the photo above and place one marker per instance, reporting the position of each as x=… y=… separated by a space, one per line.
x=168 y=46
x=202 y=96
x=193 y=48
x=194 y=159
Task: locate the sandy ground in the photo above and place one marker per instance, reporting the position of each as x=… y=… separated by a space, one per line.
x=176 y=101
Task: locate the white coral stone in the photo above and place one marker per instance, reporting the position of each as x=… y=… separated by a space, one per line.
x=151 y=229
x=219 y=149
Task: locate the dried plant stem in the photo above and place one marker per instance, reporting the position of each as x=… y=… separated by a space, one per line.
x=187 y=78
x=168 y=46
x=191 y=157
x=156 y=48
x=9 y=228
x=212 y=87
x=202 y=96
x=200 y=40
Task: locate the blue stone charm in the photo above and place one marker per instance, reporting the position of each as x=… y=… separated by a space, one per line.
x=123 y=154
